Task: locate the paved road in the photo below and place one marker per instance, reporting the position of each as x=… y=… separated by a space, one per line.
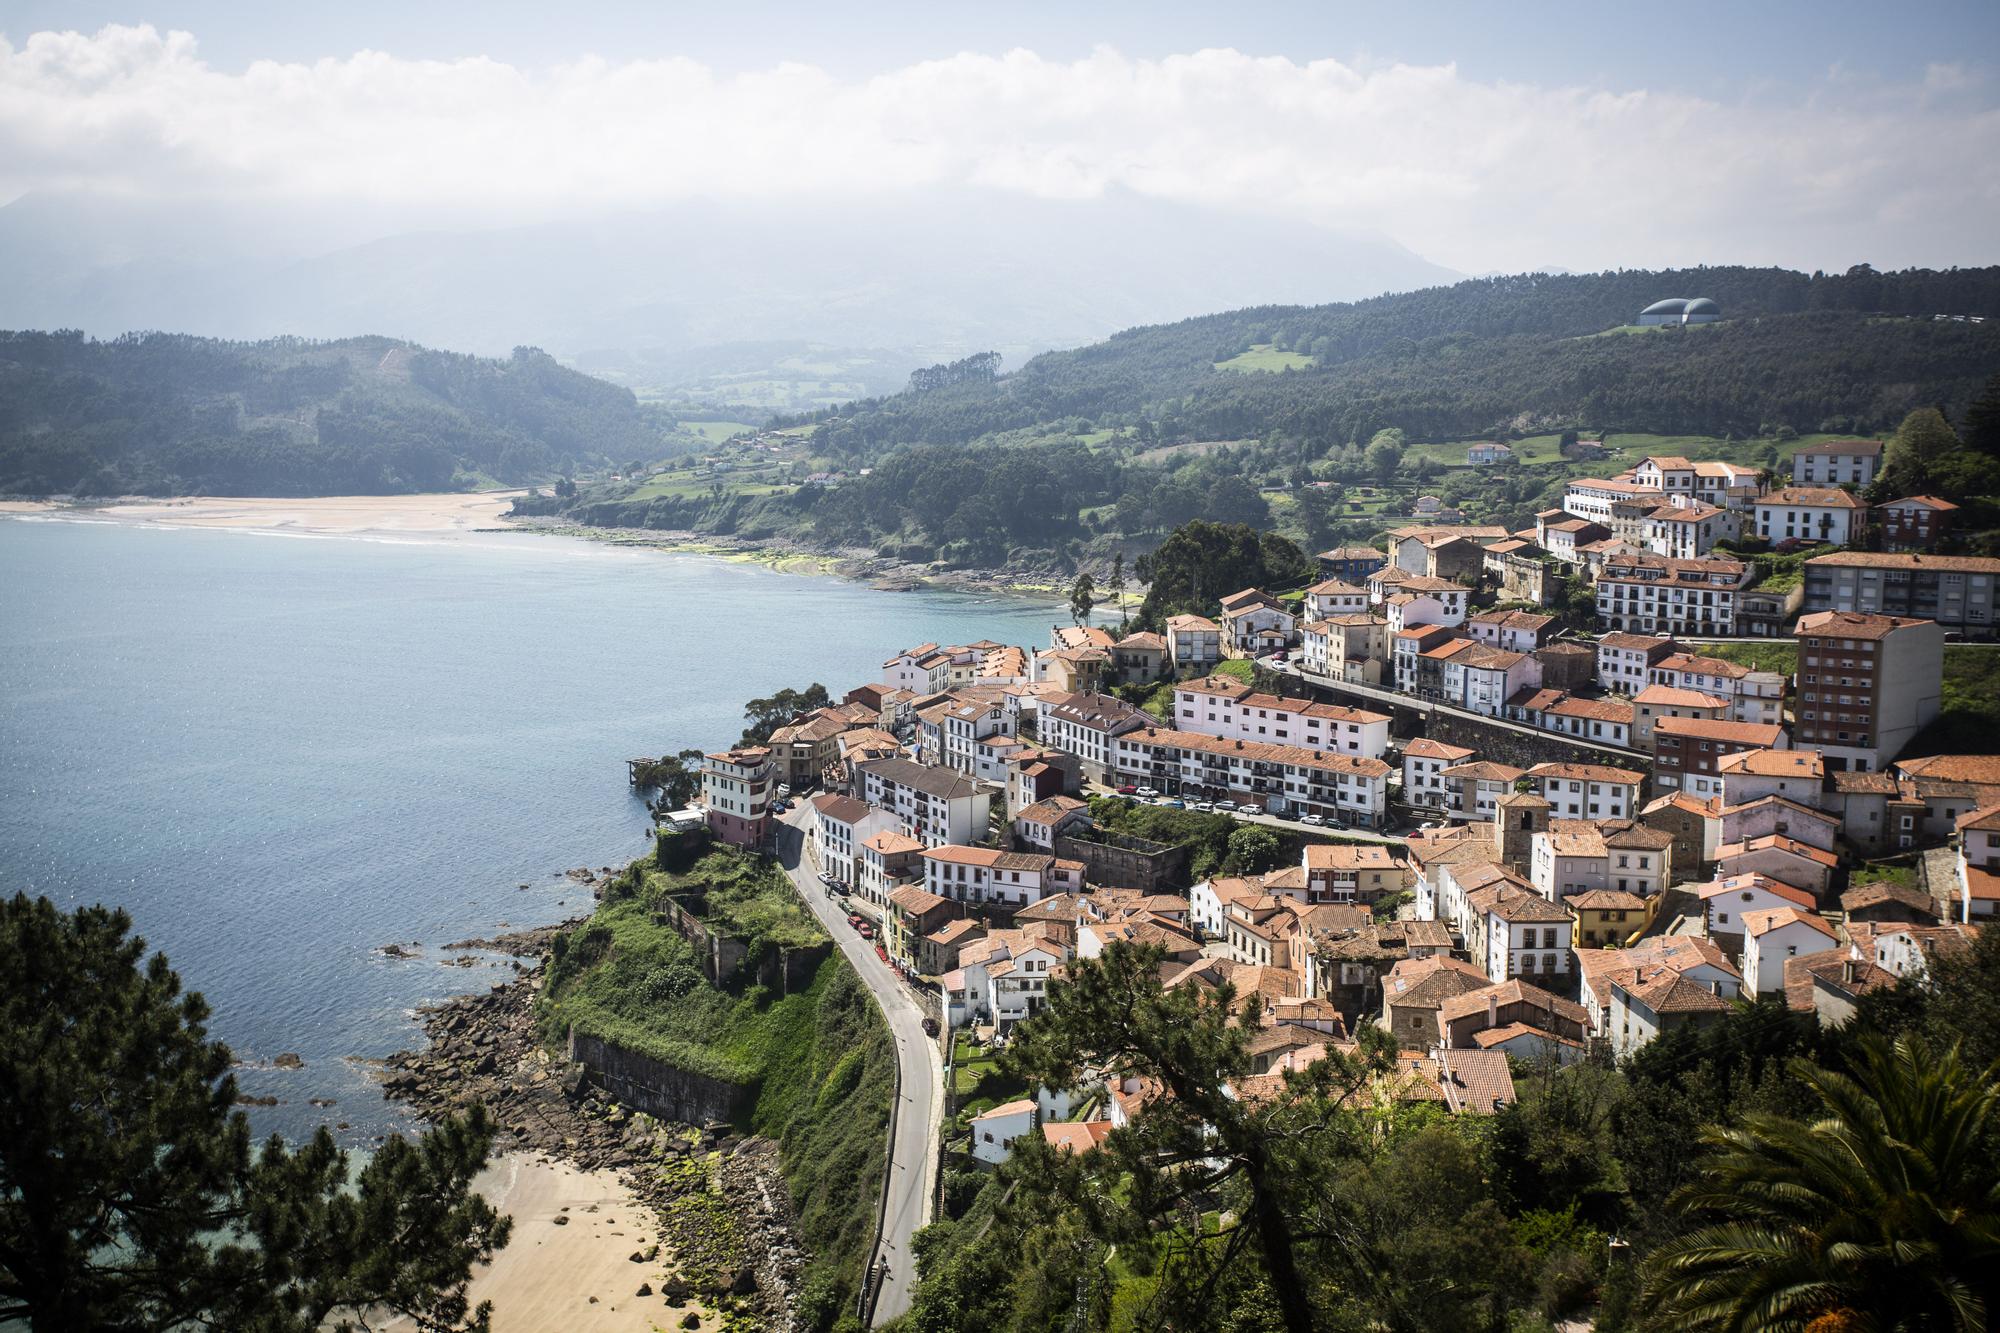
x=913 y=1176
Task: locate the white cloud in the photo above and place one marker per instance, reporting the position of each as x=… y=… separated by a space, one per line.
x=1477 y=175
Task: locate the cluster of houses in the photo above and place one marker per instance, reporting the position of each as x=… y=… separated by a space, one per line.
x=1709 y=839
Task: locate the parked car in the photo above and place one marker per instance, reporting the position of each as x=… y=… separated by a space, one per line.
x=854 y=919
x=1149 y=792
x=930 y=1026
x=1127 y=789
x=1203 y=806
x=784 y=790
x=1174 y=803
x=865 y=931
x=1249 y=808
x=1311 y=819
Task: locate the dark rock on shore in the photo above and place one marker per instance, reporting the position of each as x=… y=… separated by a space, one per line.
x=485 y=1048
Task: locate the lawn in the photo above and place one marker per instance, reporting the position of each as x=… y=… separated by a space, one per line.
x=1266 y=357
x=715 y=432
x=680 y=486
x=978 y=1084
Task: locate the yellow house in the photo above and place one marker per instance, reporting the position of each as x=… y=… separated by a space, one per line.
x=1609 y=918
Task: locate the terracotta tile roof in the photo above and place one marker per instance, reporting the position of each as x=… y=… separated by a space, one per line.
x=1075 y=1135
x=1777 y=842
x=1517 y=906
x=1981 y=885
x=1981 y=769
x=1920 y=502
x=1774 y=763
x=1296 y=755
x=1665 y=991
x=1704 y=666
x=1143 y=640
x=1192 y=623
x=926 y=778
x=1672 y=696
x=1485 y=770
x=1749 y=883
x=1606 y=900
x=1911 y=560
x=1514 y=992
x=1810 y=497
x=1488 y=1038
x=1474 y=1082
x=1422 y=747
x=1864 y=896
x=1836 y=968
x=890 y=843
x=954 y=931
x=1349 y=856
x=1599 y=710
x=1763 y=921
x=840 y=809
x=1853 y=625
x=1621 y=639
x=1624 y=777
x=917 y=901
x=1763 y=734
x=1006 y=1109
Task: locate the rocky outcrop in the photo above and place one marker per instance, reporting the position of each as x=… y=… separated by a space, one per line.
x=721 y=1202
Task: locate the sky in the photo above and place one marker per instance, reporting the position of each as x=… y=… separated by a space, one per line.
x=1485 y=137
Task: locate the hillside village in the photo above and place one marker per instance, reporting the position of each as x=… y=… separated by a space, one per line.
x=1504 y=842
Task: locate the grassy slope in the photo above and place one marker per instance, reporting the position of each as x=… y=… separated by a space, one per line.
x=1266 y=357
x=820 y=1060
x=1969 y=717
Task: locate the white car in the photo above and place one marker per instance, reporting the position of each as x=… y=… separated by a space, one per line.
x=1148 y=793
x=1311 y=819
x=1203 y=805
x=1249 y=809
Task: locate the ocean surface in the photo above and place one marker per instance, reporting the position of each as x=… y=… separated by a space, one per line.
x=280 y=753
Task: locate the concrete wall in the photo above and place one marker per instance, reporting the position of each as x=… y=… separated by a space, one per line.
x=659 y=1090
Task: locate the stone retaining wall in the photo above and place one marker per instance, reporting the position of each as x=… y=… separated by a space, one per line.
x=645 y=1084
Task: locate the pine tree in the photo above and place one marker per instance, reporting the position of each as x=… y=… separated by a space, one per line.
x=129 y=1194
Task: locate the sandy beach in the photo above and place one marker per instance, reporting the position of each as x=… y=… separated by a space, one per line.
x=577 y=1274
x=332 y=515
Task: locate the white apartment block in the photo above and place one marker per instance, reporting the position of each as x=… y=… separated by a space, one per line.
x=1654 y=594
x=932 y=804
x=1353 y=788
x=1587 y=791
x=1221 y=706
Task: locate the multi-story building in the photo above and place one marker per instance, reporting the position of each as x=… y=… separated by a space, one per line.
x=1867 y=685
x=1351 y=873
x=1914 y=523
x=1687 y=749
x=736 y=788
x=1407 y=649
x=1649 y=593
x=1472 y=791
x=1957 y=591
x=887 y=861
x=1194 y=643
x=1140 y=657
x=1754 y=696
x=1350 y=788
x=1335 y=598
x=1254 y=623
x=839 y=826
x=1350 y=564
x=1810 y=513
x=1577 y=855
x=1225 y=706
x=1518 y=933
x=1591 y=498
x=1687 y=531
x=1623 y=660
x=1978 y=884
x=1482 y=679
x=1424 y=761
x=1514 y=631
x=1588 y=791
x=1085 y=724
x=978 y=875
x=1351 y=646
x=931 y=803
x=1837 y=463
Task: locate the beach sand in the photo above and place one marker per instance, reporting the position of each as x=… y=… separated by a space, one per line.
x=332 y=515
x=548 y=1273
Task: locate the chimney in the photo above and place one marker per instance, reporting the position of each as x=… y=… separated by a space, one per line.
x=1492 y=1011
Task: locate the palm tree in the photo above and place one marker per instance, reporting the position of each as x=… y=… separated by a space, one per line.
x=1882 y=1214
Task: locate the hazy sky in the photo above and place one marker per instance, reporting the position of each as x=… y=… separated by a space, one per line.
x=1483 y=136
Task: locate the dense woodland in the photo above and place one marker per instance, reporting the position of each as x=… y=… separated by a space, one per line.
x=164 y=414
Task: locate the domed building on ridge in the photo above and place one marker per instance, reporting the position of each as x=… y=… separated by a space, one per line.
x=1681 y=310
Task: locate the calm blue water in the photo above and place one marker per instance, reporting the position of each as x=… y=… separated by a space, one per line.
x=281 y=753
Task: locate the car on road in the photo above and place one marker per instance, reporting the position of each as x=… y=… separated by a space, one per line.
x=854 y=919
x=865 y=931
x=1203 y=805
x=1249 y=808
x=1174 y=803
x=1311 y=819
x=1127 y=789
x=930 y=1026
x=1148 y=792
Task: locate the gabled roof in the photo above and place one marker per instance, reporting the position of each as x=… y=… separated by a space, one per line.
x=1755 y=883
x=1765 y=920
x=1423 y=747
x=1854 y=624
x=1811 y=497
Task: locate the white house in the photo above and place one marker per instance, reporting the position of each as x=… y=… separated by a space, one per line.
x=1224 y=706
x=1651 y=1001
x=1253 y=623
x=1424 y=760
x=1836 y=463
x=931 y=803
x=1085 y=725
x=1335 y=598
x=994 y=1131
x=1810 y=513
x=1979 y=864
x=1512 y=631
x=1518 y=934
x=1623 y=660
x=1194 y=643
x=1726 y=902
x=1774 y=934
x=1588 y=791
x=840 y=825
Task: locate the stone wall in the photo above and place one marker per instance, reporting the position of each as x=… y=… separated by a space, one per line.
x=659 y=1090
x=1118 y=860
x=1504 y=745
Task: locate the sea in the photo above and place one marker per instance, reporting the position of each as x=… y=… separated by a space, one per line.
x=281 y=753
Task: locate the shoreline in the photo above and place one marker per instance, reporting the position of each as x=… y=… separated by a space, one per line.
x=470 y=515
x=630 y=1221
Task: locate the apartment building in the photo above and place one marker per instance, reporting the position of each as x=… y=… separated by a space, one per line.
x=1754 y=696
x=1588 y=791
x=1686 y=751
x=1837 y=463
x=736 y=789
x=977 y=875
x=1350 y=788
x=1424 y=762
x=1867 y=685
x=931 y=803
x=1224 y=706
x=1957 y=591
x=1348 y=646
x=1624 y=659
x=1085 y=725
x=1914 y=523
x=1652 y=593
x=1194 y=643
x=1810 y=513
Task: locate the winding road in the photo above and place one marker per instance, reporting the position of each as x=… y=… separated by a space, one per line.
x=912 y=1148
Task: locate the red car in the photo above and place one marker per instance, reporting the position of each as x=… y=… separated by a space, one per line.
x=866 y=931
x=1128 y=790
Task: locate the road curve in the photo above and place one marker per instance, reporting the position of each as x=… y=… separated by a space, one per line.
x=912 y=1149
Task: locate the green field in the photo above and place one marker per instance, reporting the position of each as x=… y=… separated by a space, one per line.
x=1266 y=357
x=679 y=485
x=715 y=432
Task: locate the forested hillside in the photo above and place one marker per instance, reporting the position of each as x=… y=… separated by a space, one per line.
x=164 y=414
x=1809 y=353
